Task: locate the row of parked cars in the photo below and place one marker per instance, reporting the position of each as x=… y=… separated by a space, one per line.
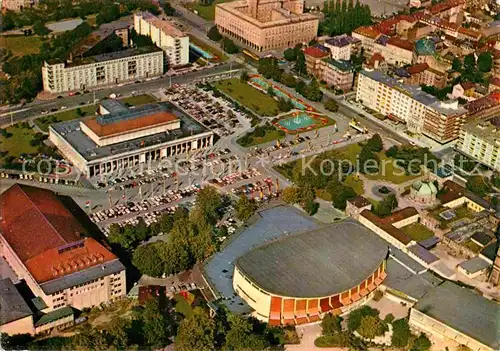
x=235 y=177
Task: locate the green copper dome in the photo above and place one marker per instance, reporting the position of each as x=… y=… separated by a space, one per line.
x=425 y=188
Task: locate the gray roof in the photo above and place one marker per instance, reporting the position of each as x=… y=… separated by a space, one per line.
x=482 y=238
x=266 y=225
x=415 y=92
x=474 y=265
x=113 y=105
x=465 y=311
x=316 y=263
x=401 y=279
x=404 y=259
x=490 y=251
x=81 y=277
x=422 y=253
x=12 y=304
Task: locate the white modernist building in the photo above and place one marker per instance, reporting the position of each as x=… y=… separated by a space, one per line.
x=481 y=141
x=124 y=138
x=100 y=70
x=172 y=41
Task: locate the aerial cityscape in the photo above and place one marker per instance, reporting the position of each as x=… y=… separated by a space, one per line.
x=250 y=175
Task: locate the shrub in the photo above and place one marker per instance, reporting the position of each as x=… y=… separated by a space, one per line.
x=337 y=340
x=371 y=326
x=389 y=318
x=354 y=319
x=422 y=343
x=330 y=324
x=377 y=296
x=400 y=333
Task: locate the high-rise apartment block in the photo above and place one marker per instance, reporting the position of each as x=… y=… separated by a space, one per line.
x=171 y=40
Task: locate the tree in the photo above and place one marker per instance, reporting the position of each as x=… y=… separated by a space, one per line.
x=90 y=339
x=422 y=343
x=470 y=62
x=300 y=63
x=479 y=185
x=157 y=329
x=290 y=54
x=331 y=105
x=147 y=260
x=40 y=29
x=375 y=143
x=229 y=46
x=354 y=319
x=331 y=324
x=169 y=10
x=165 y=223
x=241 y=335
x=288 y=79
x=79 y=112
x=384 y=208
x=340 y=194
x=291 y=195
x=214 y=34
x=196 y=332
x=245 y=208
x=485 y=62
x=270 y=91
x=284 y=104
x=313 y=91
x=456 y=64
x=371 y=326
x=368 y=161
x=311 y=207
x=244 y=76
x=209 y=201
x=118 y=332
x=400 y=333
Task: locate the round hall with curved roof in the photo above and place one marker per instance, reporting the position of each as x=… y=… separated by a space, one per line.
x=300 y=277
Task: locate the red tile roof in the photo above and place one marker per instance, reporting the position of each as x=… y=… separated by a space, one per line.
x=435 y=9
x=386 y=223
x=369 y=32
x=469 y=32
x=418 y=68
x=400 y=43
x=467 y=85
x=130 y=124
x=45 y=235
x=315 y=52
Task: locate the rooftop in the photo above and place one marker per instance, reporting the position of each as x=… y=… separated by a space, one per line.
x=89 y=150
x=113 y=105
x=482 y=238
x=316 y=52
x=417 y=68
x=400 y=43
x=342 y=65
x=316 y=263
x=341 y=40
x=266 y=225
x=129 y=120
x=165 y=26
x=12 y=304
x=386 y=223
x=54 y=316
x=116 y=55
x=474 y=265
x=445 y=108
x=46 y=236
x=359 y=201
x=367 y=32
x=463 y=310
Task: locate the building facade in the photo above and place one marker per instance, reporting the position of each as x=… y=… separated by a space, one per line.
x=102 y=70
x=98 y=145
x=264 y=25
x=480 y=140
x=337 y=73
x=172 y=41
x=47 y=247
x=367 y=36
x=342 y=46
x=422 y=113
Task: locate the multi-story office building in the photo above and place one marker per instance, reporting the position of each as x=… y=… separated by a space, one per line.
x=264 y=25
x=342 y=46
x=171 y=40
x=422 y=113
x=125 y=137
x=338 y=73
x=101 y=70
x=43 y=244
x=480 y=139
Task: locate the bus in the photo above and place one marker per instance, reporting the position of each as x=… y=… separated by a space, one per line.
x=251 y=55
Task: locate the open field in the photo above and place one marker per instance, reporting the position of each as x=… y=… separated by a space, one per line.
x=19 y=141
x=138 y=100
x=21 y=45
x=417 y=232
x=248 y=96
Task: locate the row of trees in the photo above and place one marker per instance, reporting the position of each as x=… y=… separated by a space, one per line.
x=343 y=17
x=227 y=44
x=269 y=68
x=302 y=195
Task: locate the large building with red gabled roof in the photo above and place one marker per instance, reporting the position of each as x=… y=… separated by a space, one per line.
x=48 y=247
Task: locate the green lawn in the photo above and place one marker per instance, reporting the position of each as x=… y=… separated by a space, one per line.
x=204 y=11
x=417 y=232
x=460 y=213
x=356 y=184
x=472 y=246
x=138 y=100
x=21 y=45
x=19 y=142
x=271 y=134
x=44 y=122
x=385 y=173
x=248 y=96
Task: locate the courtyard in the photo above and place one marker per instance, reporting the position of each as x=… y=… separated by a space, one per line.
x=417 y=232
